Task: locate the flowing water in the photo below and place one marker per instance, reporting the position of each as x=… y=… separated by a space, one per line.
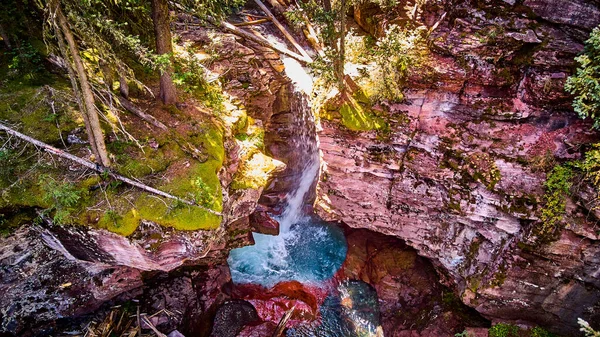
x=351 y=310
x=307 y=249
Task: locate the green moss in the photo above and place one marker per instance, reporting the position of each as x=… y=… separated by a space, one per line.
x=176 y=215
x=473 y=250
x=499 y=277
x=11 y=221
x=504 y=330
x=474 y=284
x=25 y=104
x=121 y=224
x=357 y=118
x=24 y=193
x=558 y=184
x=198 y=182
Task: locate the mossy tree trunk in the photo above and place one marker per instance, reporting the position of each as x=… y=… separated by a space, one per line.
x=80 y=83
x=162 y=33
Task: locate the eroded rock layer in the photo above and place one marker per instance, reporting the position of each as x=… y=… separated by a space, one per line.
x=459 y=175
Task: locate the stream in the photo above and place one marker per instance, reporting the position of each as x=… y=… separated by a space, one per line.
x=307 y=249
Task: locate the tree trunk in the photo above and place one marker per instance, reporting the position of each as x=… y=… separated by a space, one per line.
x=123 y=86
x=86 y=99
x=5 y=37
x=338 y=63
x=107 y=73
x=162 y=33
x=98 y=168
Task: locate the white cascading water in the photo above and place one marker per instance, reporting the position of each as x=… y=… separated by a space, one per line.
x=306 y=250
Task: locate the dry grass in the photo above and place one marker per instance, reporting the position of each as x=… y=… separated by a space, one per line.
x=121 y=323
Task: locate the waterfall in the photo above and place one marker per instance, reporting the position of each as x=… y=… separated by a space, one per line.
x=307 y=249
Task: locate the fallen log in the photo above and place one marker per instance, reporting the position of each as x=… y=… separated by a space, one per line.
x=99 y=168
x=287 y=35
x=250 y=23
x=309 y=31
x=129 y=106
x=256 y=16
x=260 y=40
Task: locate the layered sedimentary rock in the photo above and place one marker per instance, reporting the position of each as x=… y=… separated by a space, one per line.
x=460 y=175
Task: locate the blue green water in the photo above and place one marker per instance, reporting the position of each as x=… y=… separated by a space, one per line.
x=308 y=251
x=351 y=310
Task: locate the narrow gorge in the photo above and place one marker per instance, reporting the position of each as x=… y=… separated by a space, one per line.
x=409 y=168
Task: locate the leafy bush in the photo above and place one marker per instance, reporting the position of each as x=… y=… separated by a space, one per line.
x=504 y=330
x=585 y=84
x=591 y=165
x=540 y=332
x=396 y=55
x=62 y=197
x=26 y=62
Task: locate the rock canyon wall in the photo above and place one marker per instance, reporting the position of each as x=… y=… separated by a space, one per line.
x=458 y=176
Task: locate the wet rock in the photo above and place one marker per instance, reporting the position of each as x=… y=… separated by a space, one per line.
x=262 y=222
x=175 y=333
x=409 y=290
x=150 y=247
x=232 y=317
x=265 y=329
x=579 y=13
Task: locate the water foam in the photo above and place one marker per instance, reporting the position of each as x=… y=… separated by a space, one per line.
x=307 y=249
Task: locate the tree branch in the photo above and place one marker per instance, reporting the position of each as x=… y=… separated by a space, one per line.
x=99 y=168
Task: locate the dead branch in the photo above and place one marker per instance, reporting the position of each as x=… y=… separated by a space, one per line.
x=260 y=40
x=129 y=106
x=158 y=333
x=283 y=322
x=250 y=23
x=100 y=168
x=284 y=31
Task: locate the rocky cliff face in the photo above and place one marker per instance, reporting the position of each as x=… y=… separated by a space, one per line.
x=458 y=178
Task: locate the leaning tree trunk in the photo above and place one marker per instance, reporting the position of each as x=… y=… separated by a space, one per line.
x=81 y=85
x=162 y=33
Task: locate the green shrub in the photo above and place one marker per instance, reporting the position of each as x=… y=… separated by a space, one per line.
x=558 y=184
x=540 y=332
x=591 y=165
x=585 y=84
x=25 y=63
x=504 y=330
x=62 y=197
x=397 y=55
